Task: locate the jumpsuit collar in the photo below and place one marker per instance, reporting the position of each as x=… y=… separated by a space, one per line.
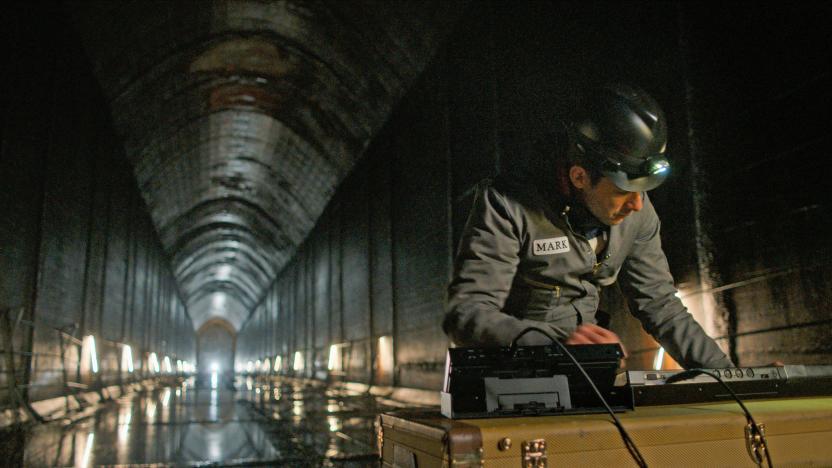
x=580 y=219
x=584 y=222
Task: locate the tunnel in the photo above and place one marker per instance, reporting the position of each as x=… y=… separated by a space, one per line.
x=228 y=226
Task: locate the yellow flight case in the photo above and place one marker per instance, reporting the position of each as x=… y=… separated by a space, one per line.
x=798 y=432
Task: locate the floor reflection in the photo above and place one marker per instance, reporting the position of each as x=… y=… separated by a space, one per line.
x=261 y=423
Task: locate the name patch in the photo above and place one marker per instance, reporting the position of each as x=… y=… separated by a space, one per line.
x=555 y=245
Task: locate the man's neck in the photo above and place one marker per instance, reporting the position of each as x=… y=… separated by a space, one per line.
x=584 y=222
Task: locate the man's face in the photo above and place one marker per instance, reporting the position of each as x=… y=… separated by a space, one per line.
x=605 y=200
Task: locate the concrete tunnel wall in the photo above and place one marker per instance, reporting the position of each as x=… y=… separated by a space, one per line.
x=746 y=121
x=78 y=253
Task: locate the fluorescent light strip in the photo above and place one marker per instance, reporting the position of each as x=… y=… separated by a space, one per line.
x=657 y=364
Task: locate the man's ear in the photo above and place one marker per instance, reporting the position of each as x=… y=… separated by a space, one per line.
x=579 y=177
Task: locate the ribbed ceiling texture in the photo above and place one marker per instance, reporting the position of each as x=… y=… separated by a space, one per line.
x=240 y=118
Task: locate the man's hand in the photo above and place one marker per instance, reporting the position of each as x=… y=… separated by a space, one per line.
x=593 y=334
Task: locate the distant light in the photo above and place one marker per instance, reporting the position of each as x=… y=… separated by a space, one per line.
x=127 y=358
x=278 y=363
x=218 y=300
x=257 y=366
x=215 y=366
x=153 y=363
x=223 y=272
x=166 y=365
x=124 y=425
x=334 y=361
x=298 y=364
x=267 y=365
x=334 y=423
x=385 y=354
x=85 y=460
x=657 y=364
x=214 y=379
x=179 y=367
x=88 y=353
x=250 y=367
x=212 y=412
x=151 y=410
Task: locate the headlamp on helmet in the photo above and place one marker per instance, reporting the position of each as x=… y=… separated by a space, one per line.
x=623 y=134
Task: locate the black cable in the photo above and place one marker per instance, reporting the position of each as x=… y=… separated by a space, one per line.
x=690 y=373
x=628 y=442
x=537 y=329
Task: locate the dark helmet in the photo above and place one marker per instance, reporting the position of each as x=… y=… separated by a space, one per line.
x=622 y=132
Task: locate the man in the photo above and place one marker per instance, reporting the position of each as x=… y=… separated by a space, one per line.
x=540 y=244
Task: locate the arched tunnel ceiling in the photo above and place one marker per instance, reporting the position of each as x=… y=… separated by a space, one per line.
x=240 y=118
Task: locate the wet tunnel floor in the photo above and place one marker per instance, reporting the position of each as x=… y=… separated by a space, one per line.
x=276 y=423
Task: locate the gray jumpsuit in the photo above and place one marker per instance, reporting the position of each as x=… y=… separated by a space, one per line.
x=521 y=264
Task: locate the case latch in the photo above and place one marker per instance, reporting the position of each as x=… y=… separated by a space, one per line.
x=534 y=453
x=755 y=442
